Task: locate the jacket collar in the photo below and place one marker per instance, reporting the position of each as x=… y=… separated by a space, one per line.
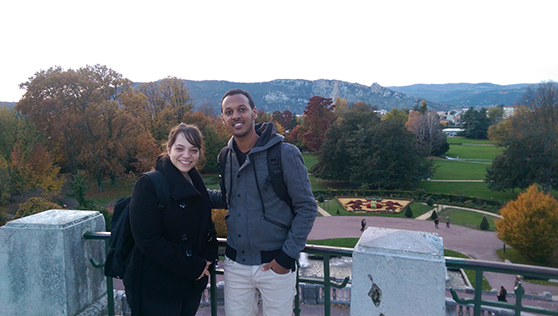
x=180 y=188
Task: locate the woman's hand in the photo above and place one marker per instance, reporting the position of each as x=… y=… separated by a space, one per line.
x=205 y=270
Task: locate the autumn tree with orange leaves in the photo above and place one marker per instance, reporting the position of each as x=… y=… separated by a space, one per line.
x=82 y=114
x=530 y=224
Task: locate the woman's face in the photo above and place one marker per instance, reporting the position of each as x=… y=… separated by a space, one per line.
x=183 y=155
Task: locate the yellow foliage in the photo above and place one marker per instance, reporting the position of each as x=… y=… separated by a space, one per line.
x=4 y=180
x=218 y=217
x=35 y=205
x=530 y=224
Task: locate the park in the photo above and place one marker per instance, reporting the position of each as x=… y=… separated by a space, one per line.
x=387 y=173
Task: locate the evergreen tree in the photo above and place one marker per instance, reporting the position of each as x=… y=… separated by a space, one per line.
x=484 y=224
x=408 y=212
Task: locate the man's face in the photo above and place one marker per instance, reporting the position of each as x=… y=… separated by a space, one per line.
x=237 y=115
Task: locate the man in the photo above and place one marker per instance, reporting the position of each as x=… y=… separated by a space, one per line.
x=265 y=236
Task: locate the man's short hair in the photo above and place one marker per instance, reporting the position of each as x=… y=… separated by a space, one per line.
x=238 y=91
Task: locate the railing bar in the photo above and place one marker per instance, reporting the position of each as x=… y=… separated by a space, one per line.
x=478 y=292
x=327 y=288
x=479 y=266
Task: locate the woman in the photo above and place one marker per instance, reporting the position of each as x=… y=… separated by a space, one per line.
x=169 y=268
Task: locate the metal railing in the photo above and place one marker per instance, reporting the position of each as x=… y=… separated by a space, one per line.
x=479 y=266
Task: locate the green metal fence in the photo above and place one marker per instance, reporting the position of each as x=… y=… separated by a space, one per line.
x=479 y=266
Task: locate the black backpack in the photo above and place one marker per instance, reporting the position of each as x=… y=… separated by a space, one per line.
x=121 y=242
x=275 y=173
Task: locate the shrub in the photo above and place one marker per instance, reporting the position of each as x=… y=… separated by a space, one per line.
x=218 y=217
x=484 y=224
x=321 y=198
x=35 y=205
x=408 y=212
x=434 y=215
x=430 y=201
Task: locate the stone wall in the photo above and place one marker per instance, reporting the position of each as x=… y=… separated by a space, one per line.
x=45 y=266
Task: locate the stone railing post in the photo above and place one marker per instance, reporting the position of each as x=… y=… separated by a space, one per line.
x=398 y=272
x=45 y=265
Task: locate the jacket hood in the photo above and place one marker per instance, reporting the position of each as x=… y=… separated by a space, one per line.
x=268 y=137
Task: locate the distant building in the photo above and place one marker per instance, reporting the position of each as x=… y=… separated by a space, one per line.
x=508 y=110
x=451 y=132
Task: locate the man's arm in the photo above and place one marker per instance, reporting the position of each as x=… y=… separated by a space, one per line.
x=305 y=209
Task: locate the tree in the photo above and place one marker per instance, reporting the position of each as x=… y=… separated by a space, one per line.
x=78 y=187
x=434 y=215
x=5 y=187
x=475 y=123
x=208 y=109
x=530 y=224
x=423 y=107
x=83 y=115
x=428 y=130
x=360 y=148
x=318 y=116
x=495 y=114
x=408 y=212
x=530 y=141
x=169 y=100
x=35 y=205
x=484 y=224
x=340 y=106
x=500 y=131
x=396 y=114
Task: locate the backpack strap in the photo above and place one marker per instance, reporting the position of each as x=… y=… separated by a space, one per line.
x=275 y=174
x=162 y=190
x=221 y=161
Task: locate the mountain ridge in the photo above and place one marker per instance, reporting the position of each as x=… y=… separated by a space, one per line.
x=294 y=94
x=467 y=94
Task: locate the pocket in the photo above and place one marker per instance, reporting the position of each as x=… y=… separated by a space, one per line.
x=229 y=262
x=280 y=274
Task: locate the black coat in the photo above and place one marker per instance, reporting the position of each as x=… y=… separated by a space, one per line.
x=172 y=245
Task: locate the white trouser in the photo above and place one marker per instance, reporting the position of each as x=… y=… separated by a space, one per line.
x=242 y=283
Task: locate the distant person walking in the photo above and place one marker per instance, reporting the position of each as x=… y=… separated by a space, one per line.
x=362 y=224
x=436 y=222
x=448 y=222
x=502 y=295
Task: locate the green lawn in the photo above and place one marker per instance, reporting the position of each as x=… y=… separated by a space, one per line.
x=335 y=242
x=473 y=151
x=515 y=257
x=471 y=274
x=463 y=140
x=465 y=218
x=473 y=189
x=459 y=170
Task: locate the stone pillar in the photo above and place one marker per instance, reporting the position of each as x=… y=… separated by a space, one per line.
x=44 y=261
x=398 y=272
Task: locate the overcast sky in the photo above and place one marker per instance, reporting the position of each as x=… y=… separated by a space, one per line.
x=390 y=42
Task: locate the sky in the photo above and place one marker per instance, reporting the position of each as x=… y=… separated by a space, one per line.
x=389 y=42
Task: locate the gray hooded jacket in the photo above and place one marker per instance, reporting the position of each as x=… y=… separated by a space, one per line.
x=252 y=240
